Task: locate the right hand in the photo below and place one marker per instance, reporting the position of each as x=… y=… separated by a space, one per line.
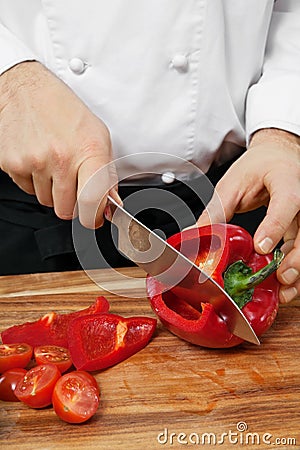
x=51 y=143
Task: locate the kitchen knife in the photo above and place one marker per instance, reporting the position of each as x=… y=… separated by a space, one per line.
x=173 y=269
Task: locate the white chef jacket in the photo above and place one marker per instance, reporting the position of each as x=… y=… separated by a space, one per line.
x=190 y=78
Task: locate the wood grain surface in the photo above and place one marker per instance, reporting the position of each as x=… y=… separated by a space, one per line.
x=169 y=395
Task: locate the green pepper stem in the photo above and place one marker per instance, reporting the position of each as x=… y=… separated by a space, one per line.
x=259 y=276
x=240 y=281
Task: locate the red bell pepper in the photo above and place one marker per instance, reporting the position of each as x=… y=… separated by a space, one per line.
x=102 y=340
x=51 y=329
x=226 y=252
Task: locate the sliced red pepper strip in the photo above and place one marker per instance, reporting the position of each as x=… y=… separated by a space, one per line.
x=103 y=340
x=51 y=329
x=198 y=323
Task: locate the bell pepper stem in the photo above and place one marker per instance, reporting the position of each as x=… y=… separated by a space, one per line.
x=263 y=273
x=240 y=281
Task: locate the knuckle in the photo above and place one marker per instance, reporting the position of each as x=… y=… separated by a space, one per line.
x=10 y=164
x=63 y=195
x=37 y=163
x=61 y=157
x=92 y=148
x=97 y=143
x=16 y=168
x=276 y=225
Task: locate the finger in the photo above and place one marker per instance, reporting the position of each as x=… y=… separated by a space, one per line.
x=279 y=217
x=289 y=238
x=93 y=188
x=289 y=271
x=43 y=189
x=287 y=246
x=64 y=195
x=292 y=231
x=287 y=294
x=24 y=183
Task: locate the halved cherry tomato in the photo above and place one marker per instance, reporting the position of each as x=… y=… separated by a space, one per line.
x=8 y=383
x=14 y=355
x=89 y=378
x=53 y=354
x=74 y=398
x=36 y=387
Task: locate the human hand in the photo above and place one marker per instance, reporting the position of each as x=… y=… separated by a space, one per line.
x=268 y=173
x=52 y=144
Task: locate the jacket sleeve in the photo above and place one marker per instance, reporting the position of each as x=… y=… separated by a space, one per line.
x=274 y=101
x=13 y=50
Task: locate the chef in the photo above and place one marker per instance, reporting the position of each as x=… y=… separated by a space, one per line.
x=158 y=94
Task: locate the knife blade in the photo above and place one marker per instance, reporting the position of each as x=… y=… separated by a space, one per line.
x=173 y=269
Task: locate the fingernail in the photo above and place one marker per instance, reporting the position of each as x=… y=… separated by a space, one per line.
x=290 y=275
x=288 y=294
x=266 y=245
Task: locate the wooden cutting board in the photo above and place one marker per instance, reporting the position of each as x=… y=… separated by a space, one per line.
x=171 y=394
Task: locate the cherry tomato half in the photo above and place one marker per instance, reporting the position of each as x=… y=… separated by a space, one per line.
x=36 y=387
x=75 y=399
x=14 y=355
x=8 y=383
x=89 y=378
x=53 y=354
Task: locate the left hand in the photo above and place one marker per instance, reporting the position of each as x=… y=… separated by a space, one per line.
x=268 y=173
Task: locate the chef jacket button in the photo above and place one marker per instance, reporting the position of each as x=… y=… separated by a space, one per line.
x=180 y=63
x=77 y=65
x=168 y=177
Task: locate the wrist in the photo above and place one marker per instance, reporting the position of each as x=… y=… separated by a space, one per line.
x=276 y=136
x=24 y=74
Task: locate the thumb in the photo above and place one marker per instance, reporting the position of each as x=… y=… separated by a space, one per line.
x=222 y=205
